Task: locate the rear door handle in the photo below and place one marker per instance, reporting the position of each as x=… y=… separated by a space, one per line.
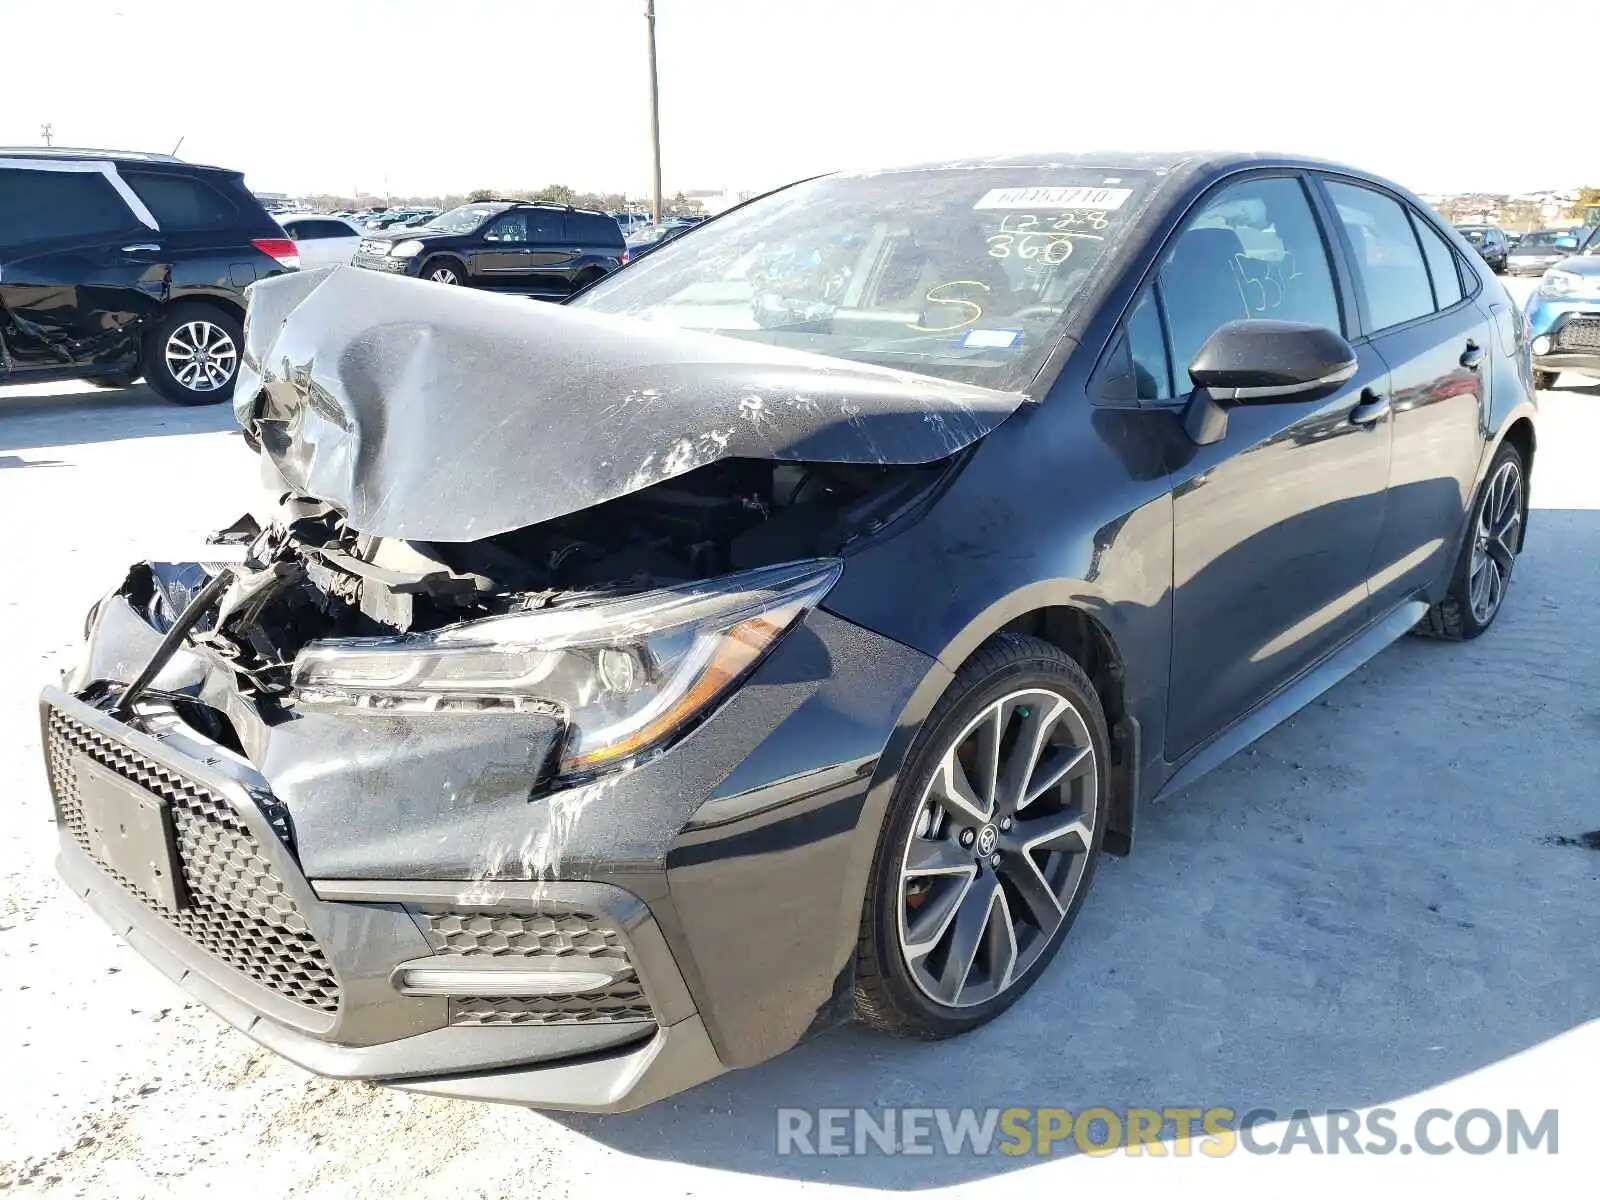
x=1472 y=355
x=1372 y=409
x=149 y=247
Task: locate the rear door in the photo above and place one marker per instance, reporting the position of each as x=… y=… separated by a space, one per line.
x=76 y=277
x=554 y=260
x=1274 y=525
x=1436 y=342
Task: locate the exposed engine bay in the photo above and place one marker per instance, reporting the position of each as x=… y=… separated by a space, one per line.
x=308 y=576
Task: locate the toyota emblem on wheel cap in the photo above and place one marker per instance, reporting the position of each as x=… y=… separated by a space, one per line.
x=987 y=837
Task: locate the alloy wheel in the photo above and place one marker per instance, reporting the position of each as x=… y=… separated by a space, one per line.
x=201 y=356
x=1494 y=546
x=999 y=847
x=443 y=275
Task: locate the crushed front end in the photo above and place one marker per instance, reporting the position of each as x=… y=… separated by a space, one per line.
x=516 y=756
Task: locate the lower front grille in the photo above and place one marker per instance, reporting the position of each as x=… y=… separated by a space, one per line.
x=577 y=937
x=1582 y=334
x=238 y=908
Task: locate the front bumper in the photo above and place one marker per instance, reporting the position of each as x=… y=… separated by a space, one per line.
x=384 y=263
x=1572 y=328
x=723 y=877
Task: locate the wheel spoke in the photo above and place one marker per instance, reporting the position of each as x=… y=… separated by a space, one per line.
x=1000 y=943
x=936 y=856
x=954 y=792
x=964 y=937
x=987 y=760
x=1026 y=751
x=925 y=927
x=1021 y=871
x=1067 y=763
x=1071 y=832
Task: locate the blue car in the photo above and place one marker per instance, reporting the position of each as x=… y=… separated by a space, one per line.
x=1564 y=318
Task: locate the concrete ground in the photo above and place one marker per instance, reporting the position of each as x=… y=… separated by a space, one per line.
x=1384 y=902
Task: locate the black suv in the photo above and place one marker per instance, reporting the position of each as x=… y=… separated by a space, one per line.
x=115 y=265
x=544 y=250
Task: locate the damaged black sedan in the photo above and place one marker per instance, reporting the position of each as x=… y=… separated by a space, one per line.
x=621 y=691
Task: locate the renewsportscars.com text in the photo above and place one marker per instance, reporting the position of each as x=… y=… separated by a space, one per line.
x=1180 y=1131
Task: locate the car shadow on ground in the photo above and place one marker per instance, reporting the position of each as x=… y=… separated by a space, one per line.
x=1386 y=893
x=36 y=416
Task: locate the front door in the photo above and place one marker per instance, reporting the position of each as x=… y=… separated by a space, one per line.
x=1274 y=525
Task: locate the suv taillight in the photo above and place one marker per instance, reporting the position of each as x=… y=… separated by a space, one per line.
x=623 y=258
x=282 y=249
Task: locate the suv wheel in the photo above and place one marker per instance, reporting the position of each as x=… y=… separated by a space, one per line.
x=442 y=270
x=989 y=846
x=191 y=355
x=1545 y=380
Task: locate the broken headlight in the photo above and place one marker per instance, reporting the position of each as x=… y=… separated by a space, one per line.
x=624 y=674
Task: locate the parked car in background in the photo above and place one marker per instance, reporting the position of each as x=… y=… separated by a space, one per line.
x=1564 y=318
x=1490 y=241
x=115 y=265
x=1541 y=249
x=786 y=627
x=651 y=237
x=544 y=250
x=323 y=240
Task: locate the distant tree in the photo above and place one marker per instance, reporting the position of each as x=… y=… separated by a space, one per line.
x=478 y=195
x=1588 y=197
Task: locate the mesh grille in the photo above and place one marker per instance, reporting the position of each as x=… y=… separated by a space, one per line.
x=238 y=908
x=1583 y=334
x=564 y=935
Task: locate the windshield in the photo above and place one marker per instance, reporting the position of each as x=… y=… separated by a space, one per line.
x=466 y=218
x=967 y=274
x=1546 y=239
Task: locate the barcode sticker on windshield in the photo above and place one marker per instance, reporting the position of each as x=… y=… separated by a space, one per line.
x=1102 y=199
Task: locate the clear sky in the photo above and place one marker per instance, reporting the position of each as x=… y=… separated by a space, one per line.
x=449 y=95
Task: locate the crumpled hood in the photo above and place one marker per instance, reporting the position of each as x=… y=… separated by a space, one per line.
x=446 y=414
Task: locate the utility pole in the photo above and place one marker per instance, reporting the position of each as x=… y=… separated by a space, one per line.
x=655 y=118
x=47 y=130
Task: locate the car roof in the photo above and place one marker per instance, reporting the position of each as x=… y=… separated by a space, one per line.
x=79 y=154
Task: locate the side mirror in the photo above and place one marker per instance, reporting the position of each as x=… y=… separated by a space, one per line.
x=1262 y=362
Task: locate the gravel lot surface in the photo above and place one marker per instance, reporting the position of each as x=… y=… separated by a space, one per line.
x=1384 y=902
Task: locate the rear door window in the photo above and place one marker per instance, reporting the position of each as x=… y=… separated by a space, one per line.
x=545 y=225
x=1387 y=255
x=1442 y=267
x=40 y=206
x=180 y=203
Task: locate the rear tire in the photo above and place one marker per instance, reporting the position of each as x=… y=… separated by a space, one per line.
x=1545 y=380
x=963 y=913
x=444 y=270
x=1488 y=553
x=191 y=355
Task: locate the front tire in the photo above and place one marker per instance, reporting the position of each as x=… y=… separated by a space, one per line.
x=1488 y=553
x=191 y=355
x=1543 y=381
x=989 y=845
x=443 y=270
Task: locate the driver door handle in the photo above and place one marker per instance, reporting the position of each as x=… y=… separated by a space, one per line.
x=1372 y=409
x=1472 y=355
x=146 y=246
